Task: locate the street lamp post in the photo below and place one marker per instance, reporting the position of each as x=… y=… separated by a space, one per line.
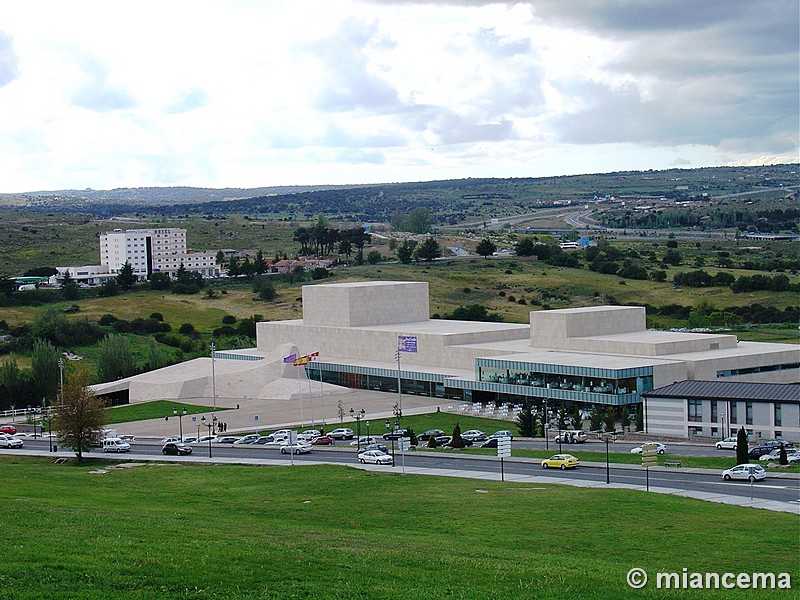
x=61 y=381
x=213 y=385
x=608 y=470
x=210 y=427
x=392 y=434
x=358 y=415
x=368 y=431
x=34 y=423
x=180 y=416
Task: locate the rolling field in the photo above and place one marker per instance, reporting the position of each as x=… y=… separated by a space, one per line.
x=186 y=531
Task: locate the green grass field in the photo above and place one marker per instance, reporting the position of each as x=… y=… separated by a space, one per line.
x=187 y=531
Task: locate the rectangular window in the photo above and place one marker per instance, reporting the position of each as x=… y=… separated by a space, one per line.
x=777 y=415
x=714 y=411
x=748 y=413
x=695 y=410
x=734 y=416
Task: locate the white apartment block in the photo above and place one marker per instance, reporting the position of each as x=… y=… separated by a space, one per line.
x=153 y=251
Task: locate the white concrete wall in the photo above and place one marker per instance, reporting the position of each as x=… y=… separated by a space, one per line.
x=365 y=303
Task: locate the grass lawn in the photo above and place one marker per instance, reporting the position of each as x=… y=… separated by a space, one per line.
x=194 y=531
x=153 y=410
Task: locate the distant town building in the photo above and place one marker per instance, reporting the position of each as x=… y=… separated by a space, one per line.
x=148 y=251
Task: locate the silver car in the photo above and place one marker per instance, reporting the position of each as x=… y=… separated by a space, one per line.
x=747 y=472
x=9 y=441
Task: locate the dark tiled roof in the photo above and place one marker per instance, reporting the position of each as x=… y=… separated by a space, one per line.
x=729 y=390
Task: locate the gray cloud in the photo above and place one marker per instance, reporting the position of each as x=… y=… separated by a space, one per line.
x=348 y=84
x=9 y=63
x=95 y=92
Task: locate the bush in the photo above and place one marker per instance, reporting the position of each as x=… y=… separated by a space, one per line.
x=186 y=329
x=228 y=320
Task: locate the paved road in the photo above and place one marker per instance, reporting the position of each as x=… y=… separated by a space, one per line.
x=778 y=492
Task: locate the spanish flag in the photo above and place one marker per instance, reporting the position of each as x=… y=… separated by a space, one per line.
x=300 y=361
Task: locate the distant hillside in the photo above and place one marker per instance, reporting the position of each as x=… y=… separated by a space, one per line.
x=452 y=201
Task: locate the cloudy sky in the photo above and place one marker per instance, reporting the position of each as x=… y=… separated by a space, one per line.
x=270 y=92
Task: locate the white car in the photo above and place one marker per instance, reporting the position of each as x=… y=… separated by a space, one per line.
x=775 y=456
x=364 y=441
x=376 y=457
x=747 y=472
x=660 y=449
x=728 y=443
x=503 y=433
x=247 y=439
x=204 y=439
x=296 y=448
x=9 y=441
x=172 y=438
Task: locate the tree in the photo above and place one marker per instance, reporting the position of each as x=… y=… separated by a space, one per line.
x=418 y=220
x=156 y=356
x=782 y=458
x=126 y=278
x=429 y=249
x=11 y=383
x=741 y=447
x=80 y=418
x=456 y=440
x=525 y=247
x=525 y=420
x=115 y=358
x=486 y=247
x=44 y=369
x=405 y=252
x=373 y=257
x=259 y=265
x=262 y=285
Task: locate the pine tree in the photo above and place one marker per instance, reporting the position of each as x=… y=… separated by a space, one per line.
x=741 y=447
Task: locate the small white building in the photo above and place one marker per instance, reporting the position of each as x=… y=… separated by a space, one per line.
x=720 y=408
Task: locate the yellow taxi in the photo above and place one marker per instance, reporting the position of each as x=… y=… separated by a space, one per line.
x=562 y=461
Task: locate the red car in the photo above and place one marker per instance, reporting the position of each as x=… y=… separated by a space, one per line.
x=322 y=440
x=8 y=429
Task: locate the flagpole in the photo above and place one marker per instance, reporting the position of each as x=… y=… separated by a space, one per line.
x=300 y=390
x=321 y=395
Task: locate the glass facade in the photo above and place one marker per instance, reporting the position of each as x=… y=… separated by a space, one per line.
x=500 y=380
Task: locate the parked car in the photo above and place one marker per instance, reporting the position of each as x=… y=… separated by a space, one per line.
x=204 y=439
x=172 y=438
x=176 y=448
x=10 y=429
x=757 y=452
x=729 y=443
x=560 y=461
x=247 y=439
x=9 y=441
x=423 y=437
x=342 y=433
x=775 y=455
x=226 y=439
x=490 y=443
x=127 y=437
x=376 y=457
x=265 y=440
x=379 y=447
x=474 y=435
x=503 y=433
x=296 y=448
x=395 y=434
x=660 y=449
x=322 y=440
x=776 y=444
x=571 y=437
x=364 y=441
x=747 y=472
x=441 y=440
